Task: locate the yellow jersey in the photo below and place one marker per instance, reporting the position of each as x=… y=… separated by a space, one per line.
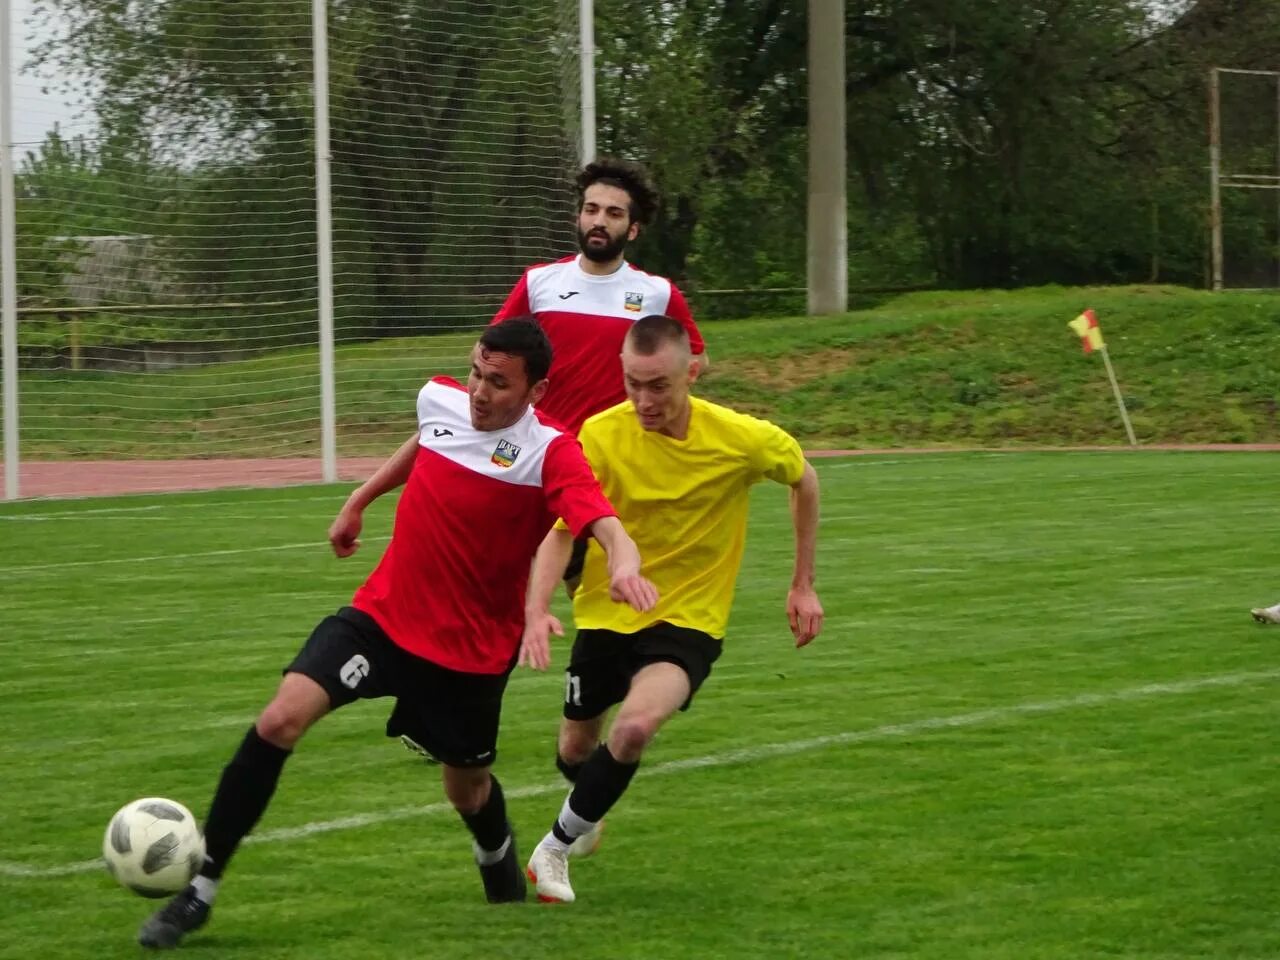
x=684 y=502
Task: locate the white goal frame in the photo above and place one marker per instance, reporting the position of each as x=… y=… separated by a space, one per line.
x=1218 y=181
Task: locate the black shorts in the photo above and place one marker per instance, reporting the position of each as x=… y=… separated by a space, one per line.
x=603 y=663
x=577 y=560
x=452 y=715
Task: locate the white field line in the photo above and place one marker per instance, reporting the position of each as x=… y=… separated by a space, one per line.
x=751 y=754
x=151 y=517
x=310 y=544
x=237 y=551
x=335 y=498
x=196 y=505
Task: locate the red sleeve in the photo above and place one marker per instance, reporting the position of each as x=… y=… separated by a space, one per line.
x=571 y=488
x=678 y=309
x=517 y=302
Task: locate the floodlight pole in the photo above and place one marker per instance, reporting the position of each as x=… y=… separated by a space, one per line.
x=324 y=239
x=1215 y=186
x=8 y=257
x=587 y=72
x=827 y=234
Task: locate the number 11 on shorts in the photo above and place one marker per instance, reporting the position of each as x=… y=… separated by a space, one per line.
x=573 y=690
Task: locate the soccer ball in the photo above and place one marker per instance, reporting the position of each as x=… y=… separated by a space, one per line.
x=153 y=846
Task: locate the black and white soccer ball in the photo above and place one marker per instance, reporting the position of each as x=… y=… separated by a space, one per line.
x=153 y=846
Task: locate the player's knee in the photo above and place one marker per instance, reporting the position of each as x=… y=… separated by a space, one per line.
x=282 y=724
x=466 y=790
x=631 y=734
x=574 y=748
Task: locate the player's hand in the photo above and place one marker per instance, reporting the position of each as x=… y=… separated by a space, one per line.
x=344 y=532
x=535 y=642
x=804 y=613
x=625 y=583
x=633 y=589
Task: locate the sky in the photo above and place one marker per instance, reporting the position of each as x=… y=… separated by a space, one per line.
x=36 y=110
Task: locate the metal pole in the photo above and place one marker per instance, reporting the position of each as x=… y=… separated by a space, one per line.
x=8 y=258
x=324 y=239
x=1215 y=189
x=828 y=241
x=1115 y=388
x=587 y=66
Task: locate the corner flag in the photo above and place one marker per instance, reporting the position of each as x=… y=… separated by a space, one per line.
x=1090 y=334
x=1087 y=329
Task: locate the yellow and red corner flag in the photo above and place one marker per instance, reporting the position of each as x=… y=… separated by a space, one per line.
x=1087 y=329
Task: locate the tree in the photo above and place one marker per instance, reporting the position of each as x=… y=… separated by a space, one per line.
x=432 y=194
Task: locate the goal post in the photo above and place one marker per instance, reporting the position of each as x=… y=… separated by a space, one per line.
x=1244 y=178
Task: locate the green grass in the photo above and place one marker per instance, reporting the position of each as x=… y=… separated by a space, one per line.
x=1000 y=367
x=1039 y=725
x=941 y=369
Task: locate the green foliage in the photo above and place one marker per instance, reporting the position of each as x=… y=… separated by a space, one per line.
x=995 y=367
x=431 y=199
x=991 y=144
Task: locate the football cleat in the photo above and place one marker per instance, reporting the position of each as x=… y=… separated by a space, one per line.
x=589 y=842
x=504 y=881
x=1266 y=614
x=549 y=871
x=414 y=747
x=168 y=925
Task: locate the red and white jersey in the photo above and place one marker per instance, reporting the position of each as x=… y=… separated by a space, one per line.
x=450 y=587
x=586 y=318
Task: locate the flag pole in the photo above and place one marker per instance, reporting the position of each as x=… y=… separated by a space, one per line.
x=1115 y=388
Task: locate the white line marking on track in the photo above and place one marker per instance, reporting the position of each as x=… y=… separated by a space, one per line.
x=762 y=751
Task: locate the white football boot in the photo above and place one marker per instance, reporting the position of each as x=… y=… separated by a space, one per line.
x=1266 y=614
x=588 y=843
x=549 y=871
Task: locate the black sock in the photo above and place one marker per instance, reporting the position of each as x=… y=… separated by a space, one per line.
x=489 y=824
x=570 y=770
x=243 y=793
x=601 y=783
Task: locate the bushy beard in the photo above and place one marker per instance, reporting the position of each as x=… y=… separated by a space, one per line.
x=603 y=254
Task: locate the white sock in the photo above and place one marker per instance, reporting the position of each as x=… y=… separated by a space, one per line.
x=572 y=824
x=554 y=844
x=206 y=888
x=488 y=857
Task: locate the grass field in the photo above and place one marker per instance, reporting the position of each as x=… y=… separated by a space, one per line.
x=1040 y=724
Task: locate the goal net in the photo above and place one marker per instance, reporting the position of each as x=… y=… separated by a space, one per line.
x=166 y=246
x=1245 y=193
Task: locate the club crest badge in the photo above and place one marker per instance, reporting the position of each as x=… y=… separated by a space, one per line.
x=504 y=455
x=633 y=301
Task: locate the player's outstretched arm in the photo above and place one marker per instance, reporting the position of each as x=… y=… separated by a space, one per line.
x=344 y=532
x=626 y=585
x=804 y=610
x=549 y=564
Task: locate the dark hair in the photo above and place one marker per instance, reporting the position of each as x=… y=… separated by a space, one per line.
x=521 y=337
x=624 y=175
x=648 y=334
